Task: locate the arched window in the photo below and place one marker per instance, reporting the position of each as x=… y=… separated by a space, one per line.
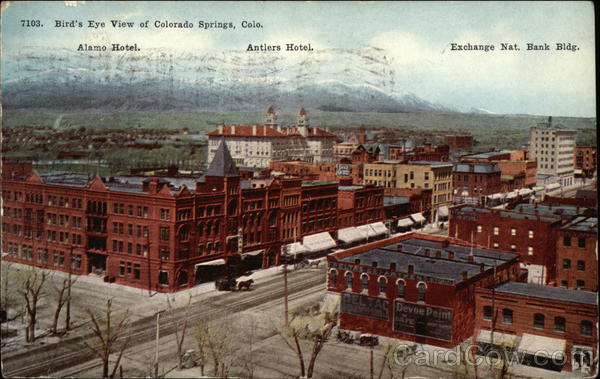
x=487 y=312
x=559 y=324
x=382 y=285
x=507 y=316
x=586 y=328
x=184 y=233
x=332 y=278
x=348 y=277
x=421 y=289
x=364 y=282
x=538 y=321
x=400 y=286
x=182 y=278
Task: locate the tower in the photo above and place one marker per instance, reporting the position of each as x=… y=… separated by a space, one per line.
x=302 y=123
x=271 y=118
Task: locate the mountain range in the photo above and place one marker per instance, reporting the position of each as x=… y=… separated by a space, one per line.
x=72 y=81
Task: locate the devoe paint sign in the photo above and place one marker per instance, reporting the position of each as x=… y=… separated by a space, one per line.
x=423 y=320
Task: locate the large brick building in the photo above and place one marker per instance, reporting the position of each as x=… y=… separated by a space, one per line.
x=472 y=182
x=585 y=161
x=163 y=234
x=459 y=143
x=577 y=254
x=415 y=287
x=535 y=320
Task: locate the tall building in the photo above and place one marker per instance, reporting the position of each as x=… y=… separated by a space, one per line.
x=553 y=149
x=585 y=161
x=257 y=145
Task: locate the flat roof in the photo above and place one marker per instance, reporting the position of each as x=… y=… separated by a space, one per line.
x=510 y=214
x=314 y=183
x=583 y=224
x=350 y=188
x=488 y=154
x=413 y=253
x=389 y=200
x=550 y=210
x=430 y=163
x=479 y=167
x=547 y=292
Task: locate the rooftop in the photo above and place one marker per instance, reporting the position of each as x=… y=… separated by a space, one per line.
x=431 y=163
x=550 y=210
x=547 y=292
x=390 y=200
x=511 y=214
x=479 y=168
x=350 y=188
x=444 y=268
x=488 y=154
x=583 y=224
x=314 y=183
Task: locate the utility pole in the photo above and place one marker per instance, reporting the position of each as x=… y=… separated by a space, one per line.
x=494 y=316
x=68 y=310
x=157 y=336
x=148 y=262
x=285 y=284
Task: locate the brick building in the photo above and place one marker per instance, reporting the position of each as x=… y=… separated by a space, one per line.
x=419 y=199
x=460 y=143
x=162 y=234
x=585 y=160
x=343 y=171
x=577 y=254
x=472 y=182
x=415 y=287
x=549 y=322
x=356 y=153
x=427 y=152
x=516 y=169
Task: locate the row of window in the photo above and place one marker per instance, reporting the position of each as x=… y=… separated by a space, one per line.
x=567 y=240
x=128 y=271
x=579 y=284
x=119 y=209
x=314 y=225
x=320 y=204
x=539 y=321
x=38 y=199
x=140 y=249
x=57 y=257
x=382 y=284
x=567 y=265
x=140 y=231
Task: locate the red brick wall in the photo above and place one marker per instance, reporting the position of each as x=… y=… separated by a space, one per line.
x=525 y=307
x=574 y=253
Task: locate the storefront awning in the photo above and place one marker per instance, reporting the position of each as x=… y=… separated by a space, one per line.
x=366 y=231
x=405 y=222
x=295 y=248
x=253 y=253
x=443 y=211
x=534 y=345
x=538 y=188
x=511 y=195
x=525 y=191
x=318 y=242
x=379 y=228
x=496 y=196
x=349 y=235
x=215 y=262
x=418 y=218
x=552 y=186
x=500 y=339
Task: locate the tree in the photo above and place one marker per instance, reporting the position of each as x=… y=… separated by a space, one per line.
x=10 y=298
x=110 y=339
x=64 y=297
x=180 y=328
x=305 y=327
x=202 y=334
x=215 y=343
x=31 y=282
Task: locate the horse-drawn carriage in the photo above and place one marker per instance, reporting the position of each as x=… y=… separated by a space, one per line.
x=231 y=284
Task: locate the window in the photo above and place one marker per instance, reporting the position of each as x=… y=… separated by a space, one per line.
x=487 y=313
x=421 y=289
x=513 y=247
x=332 y=278
x=538 y=321
x=566 y=263
x=163 y=278
x=121 y=268
x=164 y=234
x=580 y=265
x=348 y=277
x=559 y=324
x=400 y=285
x=496 y=245
x=507 y=316
x=496 y=230
x=136 y=271
x=530 y=250
x=382 y=285
x=581 y=242
x=513 y=232
x=586 y=328
x=564 y=283
x=479 y=228
x=364 y=282
x=531 y=234
x=579 y=284
x=567 y=241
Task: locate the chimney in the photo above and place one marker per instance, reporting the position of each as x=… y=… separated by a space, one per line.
x=426 y=253
x=399 y=247
x=393 y=266
x=357 y=261
x=464 y=275
x=438 y=253
x=470 y=258
x=411 y=269
x=481 y=267
x=450 y=255
x=253 y=130
x=445 y=243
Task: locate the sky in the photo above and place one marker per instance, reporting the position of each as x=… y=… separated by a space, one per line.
x=410 y=42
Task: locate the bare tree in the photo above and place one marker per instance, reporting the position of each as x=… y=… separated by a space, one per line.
x=305 y=328
x=64 y=297
x=10 y=298
x=220 y=347
x=110 y=339
x=31 y=282
x=202 y=334
x=180 y=328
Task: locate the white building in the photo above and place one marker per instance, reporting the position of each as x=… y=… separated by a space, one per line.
x=257 y=145
x=553 y=150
